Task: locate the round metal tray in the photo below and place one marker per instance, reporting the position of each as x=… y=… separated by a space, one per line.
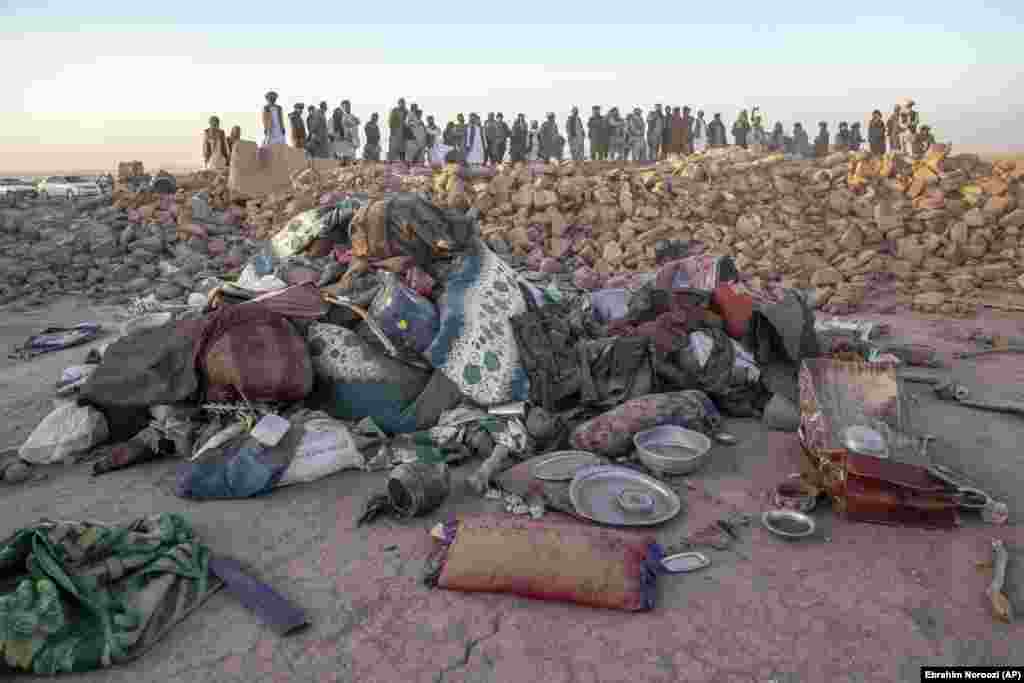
x=596 y=493
x=562 y=465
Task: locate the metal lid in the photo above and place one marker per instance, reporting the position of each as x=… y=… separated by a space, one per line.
x=597 y=493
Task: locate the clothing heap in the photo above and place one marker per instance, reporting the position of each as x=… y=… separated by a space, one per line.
x=413 y=321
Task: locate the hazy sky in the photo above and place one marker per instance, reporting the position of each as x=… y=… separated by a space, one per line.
x=90 y=83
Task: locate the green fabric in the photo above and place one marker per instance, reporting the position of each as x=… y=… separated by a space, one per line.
x=78 y=596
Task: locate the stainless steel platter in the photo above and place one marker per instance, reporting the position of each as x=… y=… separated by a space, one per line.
x=563 y=465
x=619 y=496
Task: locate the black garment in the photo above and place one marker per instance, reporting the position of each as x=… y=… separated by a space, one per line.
x=781 y=335
x=372 y=131
x=843 y=139
x=716 y=134
x=597 y=129
x=519 y=135
x=615 y=370
x=876 y=137
x=547 y=343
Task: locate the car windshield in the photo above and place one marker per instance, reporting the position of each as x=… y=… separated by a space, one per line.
x=9 y=181
x=77 y=179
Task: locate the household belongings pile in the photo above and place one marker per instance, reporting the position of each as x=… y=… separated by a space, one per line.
x=418 y=347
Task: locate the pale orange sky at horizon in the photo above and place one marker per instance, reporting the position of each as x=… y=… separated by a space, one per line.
x=89 y=85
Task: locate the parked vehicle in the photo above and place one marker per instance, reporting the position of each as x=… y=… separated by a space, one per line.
x=13 y=189
x=68 y=187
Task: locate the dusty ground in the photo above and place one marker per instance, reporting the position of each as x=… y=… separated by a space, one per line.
x=856 y=603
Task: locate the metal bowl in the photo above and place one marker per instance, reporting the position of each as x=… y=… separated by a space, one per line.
x=672 y=450
x=788 y=523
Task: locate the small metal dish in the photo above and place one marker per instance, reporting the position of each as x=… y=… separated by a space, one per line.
x=683 y=563
x=973 y=499
x=788 y=523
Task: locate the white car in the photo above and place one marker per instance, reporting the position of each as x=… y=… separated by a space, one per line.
x=68 y=187
x=12 y=189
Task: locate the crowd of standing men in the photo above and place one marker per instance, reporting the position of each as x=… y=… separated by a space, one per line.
x=663 y=132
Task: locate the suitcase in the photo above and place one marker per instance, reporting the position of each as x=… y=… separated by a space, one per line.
x=836 y=394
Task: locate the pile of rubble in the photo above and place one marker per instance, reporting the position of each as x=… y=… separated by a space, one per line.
x=936 y=230
x=941 y=227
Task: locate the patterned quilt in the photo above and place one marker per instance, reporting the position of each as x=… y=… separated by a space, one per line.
x=77 y=596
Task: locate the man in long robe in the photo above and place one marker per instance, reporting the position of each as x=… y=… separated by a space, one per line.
x=876 y=133
x=272 y=118
x=396 y=131
x=549 y=138
x=372 y=130
x=520 y=137
x=908 y=127
x=597 y=129
x=215 y=146
x=687 y=131
x=842 y=143
x=666 y=132
x=892 y=129
x=350 y=124
x=234 y=137
x=298 y=127
x=577 y=136
x=716 y=132
x=460 y=137
x=616 y=135
x=436 y=146
x=699 y=141
x=416 y=136
x=533 y=142
x=821 y=142
x=655 y=132
x=326 y=116
x=923 y=140
x=491 y=133
x=316 y=144
x=856 y=137
x=677 y=134
x=741 y=129
x=801 y=142
x=636 y=135
x=336 y=133
x=499 y=144
x=476 y=141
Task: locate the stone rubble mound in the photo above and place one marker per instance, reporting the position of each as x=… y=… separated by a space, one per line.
x=937 y=229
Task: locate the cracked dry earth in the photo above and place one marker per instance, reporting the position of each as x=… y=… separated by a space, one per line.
x=855 y=603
